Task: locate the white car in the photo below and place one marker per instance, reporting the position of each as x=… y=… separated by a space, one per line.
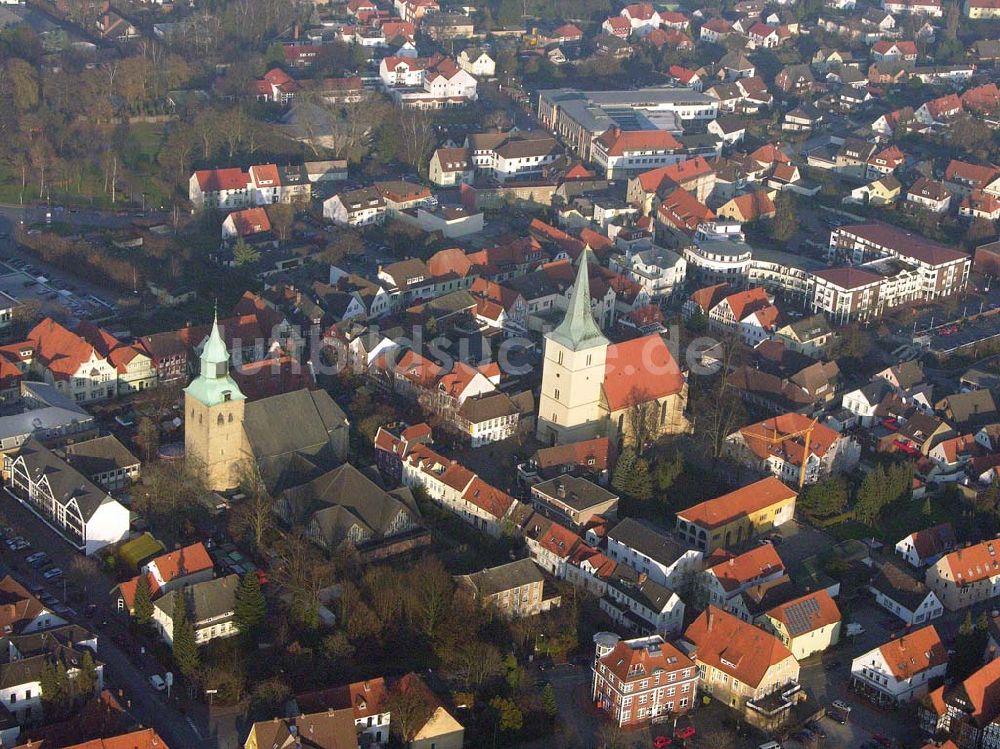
x=52 y=574
x=156 y=682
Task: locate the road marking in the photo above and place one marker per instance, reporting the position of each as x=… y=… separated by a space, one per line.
x=194 y=727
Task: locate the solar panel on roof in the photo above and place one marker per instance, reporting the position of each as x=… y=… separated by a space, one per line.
x=800 y=616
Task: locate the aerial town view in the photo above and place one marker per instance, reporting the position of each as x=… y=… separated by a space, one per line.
x=514 y=374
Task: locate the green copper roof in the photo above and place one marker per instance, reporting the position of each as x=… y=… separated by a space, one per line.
x=213 y=385
x=578 y=330
x=215 y=350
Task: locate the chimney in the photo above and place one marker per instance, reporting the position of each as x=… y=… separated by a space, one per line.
x=643 y=577
x=295 y=33
x=711 y=619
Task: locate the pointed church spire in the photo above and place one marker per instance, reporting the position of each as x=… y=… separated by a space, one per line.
x=215 y=354
x=578 y=330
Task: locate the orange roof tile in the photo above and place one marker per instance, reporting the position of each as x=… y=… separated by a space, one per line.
x=806 y=614
x=973 y=563
x=914 y=653
x=758 y=437
x=488 y=498
x=744 y=501
x=735 y=647
x=617 y=142
x=734 y=572
x=632 y=664
x=640 y=370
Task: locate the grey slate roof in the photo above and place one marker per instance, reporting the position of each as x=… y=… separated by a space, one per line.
x=66 y=482
x=574 y=491
x=495 y=580
x=99 y=455
x=343 y=497
x=311 y=418
x=654 y=544
x=206 y=600
x=902 y=586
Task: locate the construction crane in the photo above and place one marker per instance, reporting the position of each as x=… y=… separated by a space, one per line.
x=777 y=439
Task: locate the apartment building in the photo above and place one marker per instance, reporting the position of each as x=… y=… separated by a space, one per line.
x=966 y=576
x=737 y=516
x=901 y=670
x=637 y=681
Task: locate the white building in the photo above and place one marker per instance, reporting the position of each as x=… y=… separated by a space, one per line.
x=904 y=595
x=85 y=515
x=900 y=670
x=210 y=608
x=655 y=554
x=659 y=271
x=624 y=153
x=476 y=61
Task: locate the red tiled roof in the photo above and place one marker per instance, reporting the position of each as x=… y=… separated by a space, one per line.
x=617 y=142
x=684 y=210
x=594 y=455
x=744 y=501
x=265 y=175
x=680 y=173
x=365 y=698
x=977 y=176
x=631 y=664
x=218 y=180
x=567 y=31
x=757 y=437
x=639 y=11
x=734 y=572
x=642 y=369
x=61 y=351
x=250 y=221
x=974 y=563
x=735 y=647
x=559 y=541
x=709 y=296
x=823 y=614
x=914 y=653
x=753 y=205
x=488 y=498
x=742 y=303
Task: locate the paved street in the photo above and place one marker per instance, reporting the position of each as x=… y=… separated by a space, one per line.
x=148 y=707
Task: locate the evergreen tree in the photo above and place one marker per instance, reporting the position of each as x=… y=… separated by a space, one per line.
x=184 y=644
x=251 y=608
x=142 y=602
x=245 y=254
x=825 y=497
x=632 y=477
x=549 y=701
x=668 y=470
x=786 y=223
x=52 y=694
x=86 y=680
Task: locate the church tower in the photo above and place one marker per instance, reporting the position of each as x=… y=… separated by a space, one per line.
x=213 y=416
x=569 y=409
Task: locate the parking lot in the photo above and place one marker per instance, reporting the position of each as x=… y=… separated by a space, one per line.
x=23 y=281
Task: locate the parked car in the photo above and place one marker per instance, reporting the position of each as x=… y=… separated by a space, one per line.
x=36 y=558
x=156 y=682
x=52 y=574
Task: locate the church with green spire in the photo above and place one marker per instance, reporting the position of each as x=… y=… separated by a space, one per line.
x=213 y=416
x=569 y=407
x=594 y=388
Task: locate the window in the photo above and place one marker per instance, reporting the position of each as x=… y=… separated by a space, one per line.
x=556 y=394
